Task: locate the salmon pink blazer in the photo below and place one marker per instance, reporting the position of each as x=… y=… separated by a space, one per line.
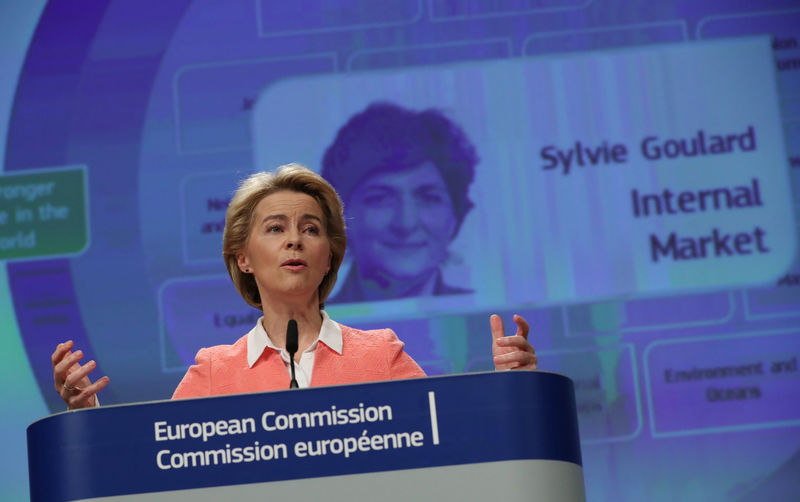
x=367 y=356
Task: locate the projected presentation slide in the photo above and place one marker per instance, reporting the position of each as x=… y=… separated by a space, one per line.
x=622 y=174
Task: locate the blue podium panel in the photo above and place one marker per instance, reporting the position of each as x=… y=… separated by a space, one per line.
x=479 y=436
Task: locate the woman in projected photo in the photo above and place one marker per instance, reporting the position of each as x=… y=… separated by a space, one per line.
x=403 y=176
x=283 y=243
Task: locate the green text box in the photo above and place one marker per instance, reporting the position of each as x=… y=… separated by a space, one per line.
x=43 y=213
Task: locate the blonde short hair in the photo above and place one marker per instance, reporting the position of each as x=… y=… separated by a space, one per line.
x=241 y=214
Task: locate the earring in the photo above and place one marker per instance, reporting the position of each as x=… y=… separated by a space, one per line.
x=247 y=270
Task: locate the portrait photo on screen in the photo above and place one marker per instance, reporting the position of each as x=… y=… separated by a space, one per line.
x=404 y=178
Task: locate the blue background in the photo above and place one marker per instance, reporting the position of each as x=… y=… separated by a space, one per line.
x=96 y=83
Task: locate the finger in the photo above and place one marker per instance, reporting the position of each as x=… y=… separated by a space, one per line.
x=516 y=342
x=516 y=360
x=514 y=357
x=74 y=378
x=69 y=386
x=68 y=361
x=501 y=366
x=61 y=349
x=86 y=397
x=496 y=324
x=523 y=328
x=62 y=369
x=99 y=385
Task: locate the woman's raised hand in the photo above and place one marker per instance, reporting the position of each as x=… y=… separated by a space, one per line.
x=512 y=352
x=71 y=380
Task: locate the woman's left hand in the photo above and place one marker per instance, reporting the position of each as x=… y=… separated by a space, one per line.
x=512 y=352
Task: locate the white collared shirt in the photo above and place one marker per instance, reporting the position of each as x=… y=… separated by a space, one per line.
x=258 y=341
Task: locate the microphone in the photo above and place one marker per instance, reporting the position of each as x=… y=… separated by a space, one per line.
x=291 y=348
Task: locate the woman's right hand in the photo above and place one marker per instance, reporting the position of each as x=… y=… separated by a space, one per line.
x=71 y=380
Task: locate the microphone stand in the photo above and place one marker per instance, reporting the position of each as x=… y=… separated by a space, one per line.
x=291 y=348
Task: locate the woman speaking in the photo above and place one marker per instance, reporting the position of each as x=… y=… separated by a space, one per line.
x=283 y=243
